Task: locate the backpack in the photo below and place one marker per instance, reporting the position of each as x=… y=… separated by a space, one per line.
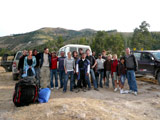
x=26 y=92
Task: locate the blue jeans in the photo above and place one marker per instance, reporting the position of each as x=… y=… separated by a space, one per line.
x=53 y=72
x=132 y=80
x=88 y=82
x=123 y=78
x=108 y=75
x=71 y=74
x=101 y=73
x=61 y=77
x=93 y=78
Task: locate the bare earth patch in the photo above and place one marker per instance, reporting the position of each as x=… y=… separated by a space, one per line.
x=90 y=105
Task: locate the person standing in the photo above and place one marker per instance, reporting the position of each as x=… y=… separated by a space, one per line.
x=75 y=56
x=104 y=56
x=94 y=55
x=131 y=66
x=29 y=64
x=82 y=70
x=80 y=50
x=114 y=67
x=61 y=69
x=100 y=69
x=107 y=70
x=21 y=63
x=37 y=67
x=45 y=65
x=122 y=73
x=69 y=67
x=53 y=70
x=92 y=66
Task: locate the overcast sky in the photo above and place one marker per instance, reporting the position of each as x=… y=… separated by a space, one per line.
x=20 y=16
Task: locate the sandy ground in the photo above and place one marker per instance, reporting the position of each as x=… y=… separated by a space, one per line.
x=91 y=105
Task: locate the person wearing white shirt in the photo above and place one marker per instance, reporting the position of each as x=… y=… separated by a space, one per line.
x=100 y=69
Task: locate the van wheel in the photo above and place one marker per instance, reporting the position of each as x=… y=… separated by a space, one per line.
x=15 y=77
x=158 y=78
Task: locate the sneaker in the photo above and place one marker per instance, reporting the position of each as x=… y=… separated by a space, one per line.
x=89 y=88
x=57 y=88
x=64 y=91
x=135 y=93
x=78 y=90
x=115 y=89
x=84 y=89
x=130 y=91
x=51 y=88
x=121 y=91
x=107 y=87
x=125 y=91
x=96 y=89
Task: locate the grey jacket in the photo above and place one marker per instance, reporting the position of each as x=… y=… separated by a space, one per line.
x=131 y=62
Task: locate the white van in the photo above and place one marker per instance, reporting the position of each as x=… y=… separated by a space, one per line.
x=74 y=47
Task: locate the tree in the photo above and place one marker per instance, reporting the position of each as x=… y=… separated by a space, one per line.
x=142 y=37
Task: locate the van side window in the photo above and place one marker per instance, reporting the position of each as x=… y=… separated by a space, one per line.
x=137 y=55
x=73 y=49
x=146 y=57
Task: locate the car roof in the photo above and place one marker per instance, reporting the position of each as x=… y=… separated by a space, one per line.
x=75 y=45
x=146 y=51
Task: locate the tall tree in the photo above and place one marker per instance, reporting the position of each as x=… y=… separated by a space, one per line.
x=142 y=37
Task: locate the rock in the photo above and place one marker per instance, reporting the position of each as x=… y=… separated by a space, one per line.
x=64 y=109
x=81 y=116
x=97 y=118
x=145 y=114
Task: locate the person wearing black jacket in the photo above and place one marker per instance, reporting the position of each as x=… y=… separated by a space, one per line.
x=131 y=66
x=92 y=66
x=122 y=73
x=107 y=70
x=37 y=67
x=21 y=63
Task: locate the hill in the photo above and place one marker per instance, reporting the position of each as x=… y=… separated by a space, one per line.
x=41 y=36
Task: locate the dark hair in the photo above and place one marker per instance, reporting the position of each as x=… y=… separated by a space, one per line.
x=122 y=58
x=80 y=49
x=104 y=51
x=87 y=50
x=73 y=53
x=99 y=54
x=45 y=48
x=53 y=52
x=34 y=50
x=83 y=53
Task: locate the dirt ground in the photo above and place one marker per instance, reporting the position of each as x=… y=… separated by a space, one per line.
x=91 y=105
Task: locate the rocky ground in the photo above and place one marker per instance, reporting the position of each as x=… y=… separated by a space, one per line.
x=91 y=105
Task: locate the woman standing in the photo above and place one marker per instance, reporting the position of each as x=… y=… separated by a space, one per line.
x=114 y=66
x=29 y=64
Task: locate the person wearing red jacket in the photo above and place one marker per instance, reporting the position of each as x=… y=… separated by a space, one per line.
x=114 y=66
x=53 y=70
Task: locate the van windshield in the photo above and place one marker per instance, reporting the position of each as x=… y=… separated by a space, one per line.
x=157 y=55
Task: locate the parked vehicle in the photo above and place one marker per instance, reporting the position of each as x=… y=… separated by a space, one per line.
x=148 y=63
x=6 y=62
x=15 y=72
x=73 y=47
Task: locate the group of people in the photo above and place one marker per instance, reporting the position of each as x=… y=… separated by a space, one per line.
x=82 y=68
